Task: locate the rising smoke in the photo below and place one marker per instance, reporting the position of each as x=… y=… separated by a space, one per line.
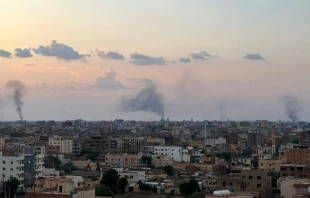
x=292 y=107
x=148 y=100
x=222 y=110
x=18 y=89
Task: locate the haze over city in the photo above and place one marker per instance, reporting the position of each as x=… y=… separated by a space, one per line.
x=146 y=60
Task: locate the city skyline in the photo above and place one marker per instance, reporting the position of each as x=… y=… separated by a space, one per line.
x=209 y=60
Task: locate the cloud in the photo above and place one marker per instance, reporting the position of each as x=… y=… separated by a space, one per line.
x=23 y=53
x=140 y=80
x=5 y=54
x=253 y=57
x=185 y=60
x=107 y=81
x=76 y=74
x=200 y=56
x=141 y=59
x=60 y=51
x=110 y=55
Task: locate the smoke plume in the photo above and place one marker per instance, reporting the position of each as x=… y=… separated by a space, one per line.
x=292 y=107
x=18 y=90
x=222 y=110
x=148 y=100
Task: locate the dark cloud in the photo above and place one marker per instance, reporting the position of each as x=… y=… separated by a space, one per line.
x=185 y=60
x=60 y=51
x=253 y=57
x=201 y=55
x=23 y=53
x=141 y=59
x=107 y=81
x=5 y=54
x=110 y=55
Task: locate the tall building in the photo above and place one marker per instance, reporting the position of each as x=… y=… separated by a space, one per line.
x=64 y=143
x=176 y=153
x=255 y=138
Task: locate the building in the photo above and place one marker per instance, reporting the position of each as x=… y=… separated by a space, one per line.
x=155 y=142
x=12 y=166
x=176 y=153
x=292 y=187
x=85 y=165
x=255 y=138
x=294 y=170
x=298 y=155
x=162 y=161
x=59 y=188
x=77 y=146
x=255 y=181
x=64 y=143
x=131 y=145
x=122 y=160
x=133 y=176
x=214 y=142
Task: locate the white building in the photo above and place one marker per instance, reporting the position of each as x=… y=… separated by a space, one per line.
x=214 y=142
x=133 y=176
x=39 y=165
x=12 y=166
x=39 y=150
x=65 y=145
x=176 y=153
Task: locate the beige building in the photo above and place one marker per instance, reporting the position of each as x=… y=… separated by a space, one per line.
x=59 y=188
x=269 y=165
x=161 y=161
x=85 y=165
x=255 y=181
x=291 y=187
x=155 y=142
x=123 y=160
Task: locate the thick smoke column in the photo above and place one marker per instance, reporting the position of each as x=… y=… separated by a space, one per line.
x=292 y=107
x=18 y=89
x=148 y=100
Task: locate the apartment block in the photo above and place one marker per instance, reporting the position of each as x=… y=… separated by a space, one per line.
x=132 y=145
x=299 y=155
x=214 y=142
x=295 y=170
x=249 y=181
x=12 y=166
x=122 y=160
x=255 y=138
x=176 y=153
x=64 y=143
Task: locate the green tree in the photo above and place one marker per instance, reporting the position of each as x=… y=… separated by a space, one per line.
x=122 y=184
x=295 y=141
x=147 y=160
x=145 y=187
x=51 y=162
x=109 y=178
x=198 y=195
x=254 y=162
x=190 y=187
x=68 y=168
x=103 y=191
x=92 y=156
x=11 y=186
x=169 y=170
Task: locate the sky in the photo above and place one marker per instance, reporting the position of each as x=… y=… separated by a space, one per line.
x=81 y=59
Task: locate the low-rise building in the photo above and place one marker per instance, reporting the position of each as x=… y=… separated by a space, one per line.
x=122 y=160
x=214 y=142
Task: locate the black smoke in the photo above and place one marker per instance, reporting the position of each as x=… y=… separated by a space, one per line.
x=18 y=89
x=148 y=100
x=292 y=107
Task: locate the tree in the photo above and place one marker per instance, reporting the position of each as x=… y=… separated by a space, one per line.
x=11 y=186
x=103 y=191
x=51 y=162
x=109 y=178
x=295 y=141
x=147 y=160
x=198 y=195
x=122 y=184
x=68 y=168
x=92 y=156
x=145 y=187
x=247 y=152
x=190 y=187
x=254 y=162
x=169 y=170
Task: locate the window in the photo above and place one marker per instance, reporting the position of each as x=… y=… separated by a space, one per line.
x=11 y=169
x=258 y=185
x=3 y=162
x=3 y=169
x=250 y=177
x=11 y=162
x=259 y=177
